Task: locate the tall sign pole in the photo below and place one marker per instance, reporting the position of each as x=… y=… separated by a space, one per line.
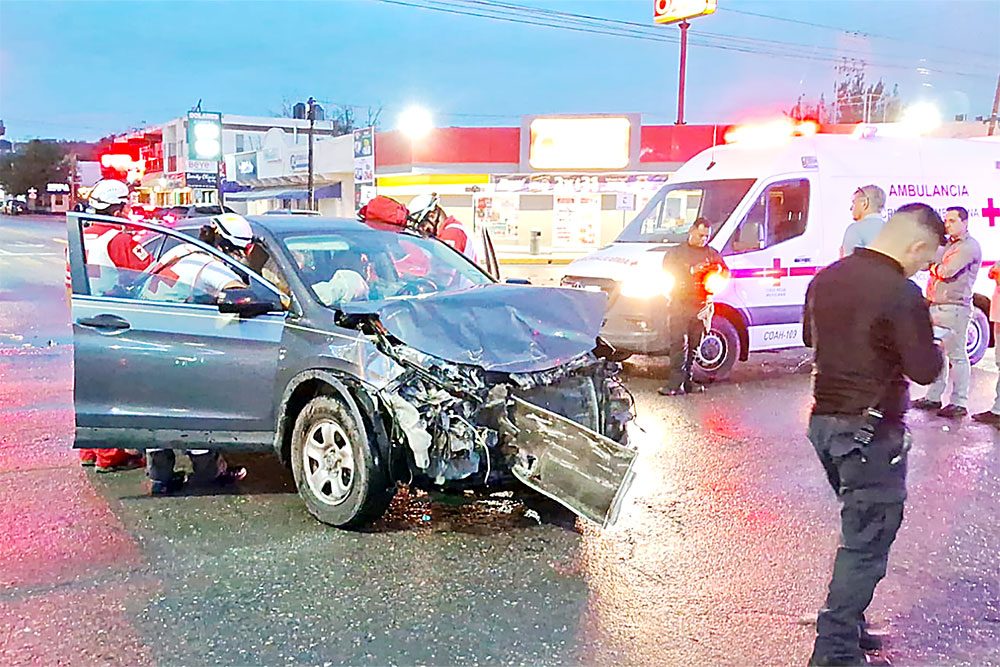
x=679 y=11
x=683 y=67
x=311 y=105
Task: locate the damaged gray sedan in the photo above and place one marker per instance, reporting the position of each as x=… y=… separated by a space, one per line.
x=365 y=357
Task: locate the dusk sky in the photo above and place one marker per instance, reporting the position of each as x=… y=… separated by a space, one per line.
x=82 y=70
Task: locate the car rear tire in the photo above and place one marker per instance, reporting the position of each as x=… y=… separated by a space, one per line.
x=336 y=473
x=978 y=336
x=718 y=352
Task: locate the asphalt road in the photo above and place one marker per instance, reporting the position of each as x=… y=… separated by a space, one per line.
x=721 y=556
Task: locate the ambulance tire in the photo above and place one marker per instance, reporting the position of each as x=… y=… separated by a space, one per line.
x=978 y=337
x=721 y=348
x=334 y=468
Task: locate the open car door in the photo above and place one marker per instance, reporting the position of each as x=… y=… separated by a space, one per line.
x=163 y=358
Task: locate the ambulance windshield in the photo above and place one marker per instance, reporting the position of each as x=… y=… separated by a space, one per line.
x=668 y=216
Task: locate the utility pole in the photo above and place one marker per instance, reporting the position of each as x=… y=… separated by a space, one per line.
x=310 y=106
x=684 y=25
x=996 y=107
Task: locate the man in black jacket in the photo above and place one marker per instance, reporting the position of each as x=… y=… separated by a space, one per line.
x=689 y=264
x=871 y=329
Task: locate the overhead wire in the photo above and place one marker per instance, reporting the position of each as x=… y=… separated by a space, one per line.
x=522 y=14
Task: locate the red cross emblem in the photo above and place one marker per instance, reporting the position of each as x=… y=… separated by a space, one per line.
x=776 y=272
x=991 y=212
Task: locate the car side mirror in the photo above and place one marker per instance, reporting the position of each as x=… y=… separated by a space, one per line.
x=245 y=302
x=518 y=281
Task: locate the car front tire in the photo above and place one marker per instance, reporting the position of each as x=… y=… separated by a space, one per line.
x=336 y=474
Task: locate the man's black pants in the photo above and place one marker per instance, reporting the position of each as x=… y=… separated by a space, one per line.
x=686 y=331
x=870 y=482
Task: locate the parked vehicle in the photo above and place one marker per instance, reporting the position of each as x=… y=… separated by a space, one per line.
x=14 y=207
x=779 y=211
x=182 y=211
x=364 y=356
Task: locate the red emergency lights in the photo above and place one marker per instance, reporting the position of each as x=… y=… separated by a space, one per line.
x=767 y=133
x=715 y=282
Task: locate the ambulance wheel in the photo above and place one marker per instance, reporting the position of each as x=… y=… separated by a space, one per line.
x=718 y=352
x=977 y=338
x=335 y=472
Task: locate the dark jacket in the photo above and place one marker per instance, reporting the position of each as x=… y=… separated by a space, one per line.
x=871 y=329
x=689 y=287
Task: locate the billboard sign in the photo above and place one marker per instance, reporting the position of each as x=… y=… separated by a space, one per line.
x=580 y=143
x=201 y=181
x=246 y=166
x=672 y=11
x=364 y=166
x=204 y=135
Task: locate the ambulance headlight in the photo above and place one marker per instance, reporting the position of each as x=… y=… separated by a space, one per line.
x=647 y=284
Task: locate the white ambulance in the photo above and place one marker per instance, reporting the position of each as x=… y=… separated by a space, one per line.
x=779 y=207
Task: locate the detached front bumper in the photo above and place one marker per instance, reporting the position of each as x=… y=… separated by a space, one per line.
x=585 y=471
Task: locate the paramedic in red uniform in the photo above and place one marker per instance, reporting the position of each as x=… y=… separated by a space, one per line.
x=112 y=256
x=430 y=218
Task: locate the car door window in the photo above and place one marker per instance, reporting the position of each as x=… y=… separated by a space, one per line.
x=120 y=263
x=779 y=214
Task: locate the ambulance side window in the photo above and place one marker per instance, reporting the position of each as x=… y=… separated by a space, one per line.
x=779 y=214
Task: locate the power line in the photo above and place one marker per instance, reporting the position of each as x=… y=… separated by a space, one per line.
x=845 y=30
x=512 y=13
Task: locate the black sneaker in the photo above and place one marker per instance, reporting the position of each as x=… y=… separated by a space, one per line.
x=694 y=388
x=952 y=411
x=925 y=404
x=670 y=391
x=987 y=417
x=173 y=485
x=231 y=476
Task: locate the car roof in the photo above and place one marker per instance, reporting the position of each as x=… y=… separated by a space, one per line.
x=280 y=225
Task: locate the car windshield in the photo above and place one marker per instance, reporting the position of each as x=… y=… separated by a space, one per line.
x=668 y=216
x=370 y=265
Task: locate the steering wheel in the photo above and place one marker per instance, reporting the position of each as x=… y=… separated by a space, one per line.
x=416 y=286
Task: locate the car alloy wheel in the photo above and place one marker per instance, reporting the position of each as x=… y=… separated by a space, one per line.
x=329 y=462
x=336 y=472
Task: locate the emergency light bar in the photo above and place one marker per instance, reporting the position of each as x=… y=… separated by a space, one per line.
x=769 y=133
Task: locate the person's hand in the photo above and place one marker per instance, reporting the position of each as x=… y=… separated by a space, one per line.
x=994 y=273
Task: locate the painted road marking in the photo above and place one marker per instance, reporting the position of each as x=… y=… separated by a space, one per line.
x=59 y=240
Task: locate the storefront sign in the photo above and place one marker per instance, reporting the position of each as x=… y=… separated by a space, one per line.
x=200 y=181
x=606 y=183
x=298 y=161
x=246 y=166
x=201 y=166
x=57 y=187
x=625 y=201
x=364 y=166
x=580 y=142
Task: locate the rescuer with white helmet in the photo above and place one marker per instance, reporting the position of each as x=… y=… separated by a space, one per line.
x=109 y=197
x=430 y=219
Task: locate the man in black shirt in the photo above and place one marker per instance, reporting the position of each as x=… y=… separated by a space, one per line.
x=689 y=264
x=871 y=329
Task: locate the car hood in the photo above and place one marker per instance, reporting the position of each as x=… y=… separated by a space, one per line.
x=505 y=328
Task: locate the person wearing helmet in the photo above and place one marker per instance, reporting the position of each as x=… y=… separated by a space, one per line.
x=191 y=274
x=112 y=256
x=430 y=219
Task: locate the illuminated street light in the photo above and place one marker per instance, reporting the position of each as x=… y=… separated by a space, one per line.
x=415 y=122
x=921 y=118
